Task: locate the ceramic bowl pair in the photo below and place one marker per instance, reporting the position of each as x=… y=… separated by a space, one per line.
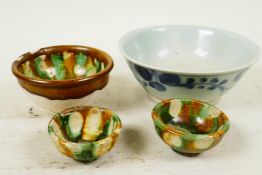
x=171 y=61
x=177 y=61
x=189 y=127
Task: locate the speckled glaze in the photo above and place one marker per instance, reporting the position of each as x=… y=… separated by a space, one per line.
x=60 y=84
x=85 y=133
x=189 y=127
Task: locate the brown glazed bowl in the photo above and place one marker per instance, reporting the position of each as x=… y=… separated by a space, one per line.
x=73 y=88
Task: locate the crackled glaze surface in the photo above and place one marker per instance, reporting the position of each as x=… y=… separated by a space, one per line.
x=189 y=126
x=85 y=133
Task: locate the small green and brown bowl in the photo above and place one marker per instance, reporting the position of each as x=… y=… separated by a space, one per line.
x=188 y=126
x=85 y=133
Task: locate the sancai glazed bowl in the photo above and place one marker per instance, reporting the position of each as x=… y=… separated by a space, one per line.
x=85 y=133
x=189 y=127
x=194 y=62
x=58 y=94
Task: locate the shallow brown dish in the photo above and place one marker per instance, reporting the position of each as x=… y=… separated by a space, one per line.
x=64 y=89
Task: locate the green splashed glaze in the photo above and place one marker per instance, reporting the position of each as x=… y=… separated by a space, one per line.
x=163 y=112
x=74 y=142
x=39 y=63
x=50 y=129
x=63 y=119
x=81 y=59
x=86 y=153
x=194 y=128
x=58 y=63
x=98 y=65
x=53 y=67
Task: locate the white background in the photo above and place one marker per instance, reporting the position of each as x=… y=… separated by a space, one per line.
x=25 y=147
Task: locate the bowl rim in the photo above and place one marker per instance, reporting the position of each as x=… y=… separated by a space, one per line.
x=73 y=109
x=59 y=83
x=126 y=36
x=217 y=133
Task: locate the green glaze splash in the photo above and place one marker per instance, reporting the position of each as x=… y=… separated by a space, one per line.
x=41 y=67
x=62 y=66
x=58 y=63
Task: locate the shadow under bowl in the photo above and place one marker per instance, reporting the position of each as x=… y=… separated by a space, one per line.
x=85 y=133
x=180 y=61
x=188 y=126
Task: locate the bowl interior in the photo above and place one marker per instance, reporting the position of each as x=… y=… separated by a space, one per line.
x=63 y=63
x=85 y=124
x=188 y=48
x=191 y=116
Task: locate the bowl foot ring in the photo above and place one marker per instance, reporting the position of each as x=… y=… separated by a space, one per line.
x=187 y=154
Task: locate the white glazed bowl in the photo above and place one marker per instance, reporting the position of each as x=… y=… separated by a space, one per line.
x=177 y=61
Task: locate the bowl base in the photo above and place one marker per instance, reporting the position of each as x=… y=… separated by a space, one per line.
x=187 y=154
x=55 y=106
x=86 y=161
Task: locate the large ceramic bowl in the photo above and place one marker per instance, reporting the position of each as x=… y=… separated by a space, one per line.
x=59 y=77
x=84 y=133
x=187 y=61
x=189 y=127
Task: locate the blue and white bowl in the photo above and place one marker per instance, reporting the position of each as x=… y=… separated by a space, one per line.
x=176 y=61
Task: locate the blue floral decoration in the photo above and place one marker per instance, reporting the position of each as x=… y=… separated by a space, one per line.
x=158 y=80
x=144 y=73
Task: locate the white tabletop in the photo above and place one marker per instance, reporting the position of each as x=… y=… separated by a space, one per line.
x=27 y=25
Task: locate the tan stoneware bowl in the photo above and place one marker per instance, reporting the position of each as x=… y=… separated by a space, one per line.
x=62 y=73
